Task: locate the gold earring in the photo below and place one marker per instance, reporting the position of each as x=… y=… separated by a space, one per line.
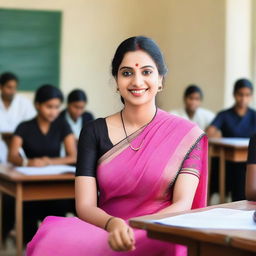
x=160 y=88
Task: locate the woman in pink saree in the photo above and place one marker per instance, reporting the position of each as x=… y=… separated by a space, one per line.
x=140 y=161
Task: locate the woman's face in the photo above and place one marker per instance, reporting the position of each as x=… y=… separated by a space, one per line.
x=138 y=79
x=76 y=109
x=49 y=110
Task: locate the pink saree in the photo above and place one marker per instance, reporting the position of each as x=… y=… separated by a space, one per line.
x=132 y=183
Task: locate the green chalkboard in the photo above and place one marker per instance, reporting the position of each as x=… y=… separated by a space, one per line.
x=30 y=46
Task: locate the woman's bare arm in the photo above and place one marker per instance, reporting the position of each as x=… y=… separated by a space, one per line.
x=183 y=194
x=14 y=155
x=86 y=202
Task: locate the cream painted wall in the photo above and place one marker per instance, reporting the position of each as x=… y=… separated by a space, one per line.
x=238 y=61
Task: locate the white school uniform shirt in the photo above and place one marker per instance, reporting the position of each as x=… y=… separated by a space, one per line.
x=202 y=117
x=76 y=127
x=21 y=109
x=3 y=151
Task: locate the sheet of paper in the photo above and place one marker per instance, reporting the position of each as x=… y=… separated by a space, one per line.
x=236 y=141
x=46 y=170
x=218 y=218
x=233 y=141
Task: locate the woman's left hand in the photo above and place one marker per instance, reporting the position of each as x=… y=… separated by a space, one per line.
x=121 y=236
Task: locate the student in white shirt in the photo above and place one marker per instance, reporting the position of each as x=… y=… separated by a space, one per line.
x=192 y=111
x=13 y=108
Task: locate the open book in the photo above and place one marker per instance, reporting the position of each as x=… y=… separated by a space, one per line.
x=46 y=170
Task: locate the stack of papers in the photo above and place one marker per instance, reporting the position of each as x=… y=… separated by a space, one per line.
x=46 y=170
x=218 y=218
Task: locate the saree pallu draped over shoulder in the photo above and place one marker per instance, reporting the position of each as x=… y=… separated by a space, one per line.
x=131 y=183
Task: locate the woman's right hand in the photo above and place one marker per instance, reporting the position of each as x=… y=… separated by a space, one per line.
x=121 y=236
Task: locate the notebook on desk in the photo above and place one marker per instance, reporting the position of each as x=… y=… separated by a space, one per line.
x=46 y=170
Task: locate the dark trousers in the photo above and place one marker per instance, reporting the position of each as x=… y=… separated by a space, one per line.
x=32 y=213
x=235 y=178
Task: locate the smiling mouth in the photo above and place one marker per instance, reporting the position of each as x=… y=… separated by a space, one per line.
x=138 y=91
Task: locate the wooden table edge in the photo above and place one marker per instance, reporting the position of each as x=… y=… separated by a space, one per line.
x=8 y=172
x=203 y=235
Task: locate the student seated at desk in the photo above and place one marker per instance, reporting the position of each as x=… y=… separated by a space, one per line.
x=14 y=109
x=142 y=160
x=250 y=188
x=237 y=121
x=75 y=113
x=42 y=136
x=192 y=111
x=41 y=140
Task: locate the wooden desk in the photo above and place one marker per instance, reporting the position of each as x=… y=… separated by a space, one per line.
x=31 y=188
x=204 y=242
x=227 y=149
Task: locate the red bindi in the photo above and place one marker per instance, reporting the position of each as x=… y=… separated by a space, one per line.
x=136 y=64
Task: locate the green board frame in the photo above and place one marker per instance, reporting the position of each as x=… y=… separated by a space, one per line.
x=30 y=42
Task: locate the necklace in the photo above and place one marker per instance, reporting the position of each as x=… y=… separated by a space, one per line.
x=126 y=136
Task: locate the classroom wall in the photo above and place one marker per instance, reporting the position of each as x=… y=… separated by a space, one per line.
x=192 y=35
